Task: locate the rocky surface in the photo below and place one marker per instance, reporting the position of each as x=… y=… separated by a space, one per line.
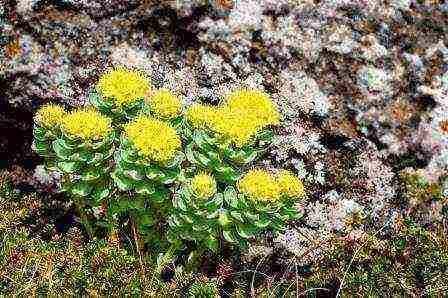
x=362 y=85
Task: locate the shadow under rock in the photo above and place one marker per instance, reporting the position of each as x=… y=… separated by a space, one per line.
x=16 y=135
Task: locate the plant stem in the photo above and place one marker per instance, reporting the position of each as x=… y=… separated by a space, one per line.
x=137 y=245
x=84 y=220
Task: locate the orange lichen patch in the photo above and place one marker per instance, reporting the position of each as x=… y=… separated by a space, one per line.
x=225 y=4
x=13 y=48
x=401 y=111
x=444 y=126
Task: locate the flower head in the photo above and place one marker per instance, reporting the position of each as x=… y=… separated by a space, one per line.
x=259 y=185
x=86 y=124
x=255 y=104
x=50 y=115
x=164 y=104
x=123 y=86
x=154 y=138
x=203 y=185
x=290 y=184
x=237 y=125
x=201 y=115
x=245 y=113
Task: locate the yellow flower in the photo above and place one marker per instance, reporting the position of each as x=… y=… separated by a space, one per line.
x=203 y=185
x=154 y=138
x=238 y=126
x=164 y=104
x=259 y=185
x=50 y=115
x=201 y=115
x=290 y=184
x=245 y=113
x=255 y=104
x=86 y=124
x=123 y=86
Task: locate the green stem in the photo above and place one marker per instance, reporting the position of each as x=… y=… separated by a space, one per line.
x=84 y=220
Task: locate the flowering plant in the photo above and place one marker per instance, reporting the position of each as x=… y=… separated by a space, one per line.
x=139 y=156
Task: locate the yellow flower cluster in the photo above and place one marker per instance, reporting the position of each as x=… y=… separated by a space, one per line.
x=86 y=124
x=123 y=86
x=245 y=113
x=201 y=115
x=154 y=138
x=290 y=184
x=203 y=185
x=260 y=185
x=255 y=104
x=164 y=104
x=50 y=115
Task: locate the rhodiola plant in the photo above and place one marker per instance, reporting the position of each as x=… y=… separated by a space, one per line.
x=80 y=145
x=180 y=174
x=228 y=137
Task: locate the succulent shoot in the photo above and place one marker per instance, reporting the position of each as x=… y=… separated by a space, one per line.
x=149 y=157
x=203 y=186
x=263 y=203
x=234 y=134
x=46 y=129
x=120 y=93
x=196 y=210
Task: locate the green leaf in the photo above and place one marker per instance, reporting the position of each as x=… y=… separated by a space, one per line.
x=197 y=227
x=175 y=221
x=223 y=219
x=129 y=156
x=186 y=218
x=144 y=187
x=91 y=175
x=200 y=139
x=41 y=148
x=189 y=153
x=146 y=219
x=213 y=214
x=160 y=195
x=121 y=182
x=81 y=189
x=237 y=216
x=100 y=194
x=96 y=159
x=170 y=176
x=215 y=161
x=212 y=243
x=262 y=223
x=96 y=100
x=176 y=160
x=249 y=156
x=246 y=231
x=83 y=155
x=133 y=174
x=230 y=196
x=203 y=160
x=179 y=203
x=39 y=133
x=69 y=166
x=229 y=236
x=62 y=150
x=265 y=136
x=152 y=172
x=252 y=217
x=228 y=174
